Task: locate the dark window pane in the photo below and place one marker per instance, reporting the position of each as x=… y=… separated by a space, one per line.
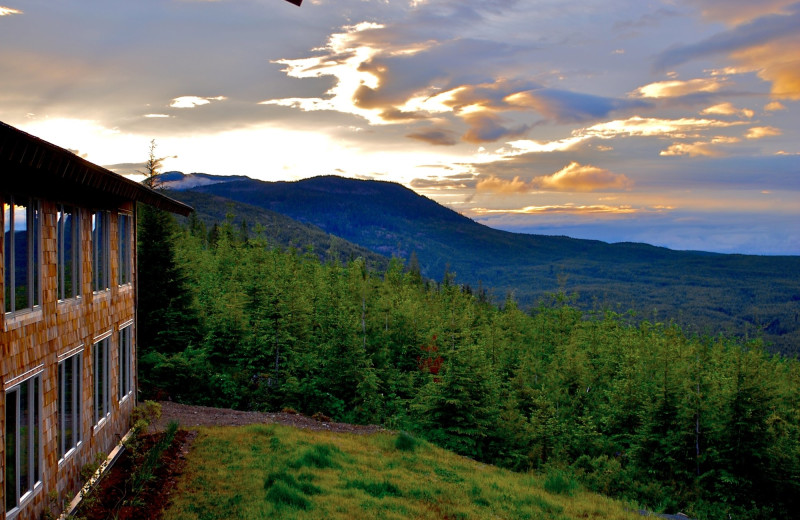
x=35 y=428
x=24 y=439
x=8 y=235
x=11 y=450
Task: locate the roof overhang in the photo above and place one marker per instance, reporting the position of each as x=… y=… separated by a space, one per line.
x=31 y=165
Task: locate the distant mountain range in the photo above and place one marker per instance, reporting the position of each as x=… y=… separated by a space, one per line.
x=705 y=292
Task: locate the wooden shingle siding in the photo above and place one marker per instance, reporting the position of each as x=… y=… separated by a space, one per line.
x=39 y=338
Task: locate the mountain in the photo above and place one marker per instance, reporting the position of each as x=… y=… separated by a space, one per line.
x=182 y=181
x=706 y=292
x=280 y=230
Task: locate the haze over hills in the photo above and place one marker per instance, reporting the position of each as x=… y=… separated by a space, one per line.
x=705 y=292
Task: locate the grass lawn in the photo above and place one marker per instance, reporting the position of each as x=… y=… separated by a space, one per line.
x=269 y=471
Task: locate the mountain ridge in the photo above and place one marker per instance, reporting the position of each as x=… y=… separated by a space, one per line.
x=746 y=295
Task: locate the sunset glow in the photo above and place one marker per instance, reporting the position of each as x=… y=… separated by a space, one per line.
x=531 y=117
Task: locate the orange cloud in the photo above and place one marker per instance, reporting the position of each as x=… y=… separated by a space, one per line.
x=650 y=127
x=699 y=148
x=691 y=149
x=727 y=109
x=496 y=185
x=774 y=106
x=573 y=209
x=777 y=62
x=578 y=177
x=573 y=177
x=7 y=11
x=740 y=11
x=758 y=132
x=676 y=88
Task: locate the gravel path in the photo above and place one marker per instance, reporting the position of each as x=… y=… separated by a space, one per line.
x=189 y=416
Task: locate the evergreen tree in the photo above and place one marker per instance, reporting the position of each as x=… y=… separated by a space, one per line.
x=168 y=321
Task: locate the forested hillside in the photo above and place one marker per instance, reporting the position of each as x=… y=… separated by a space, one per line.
x=644 y=411
x=277 y=229
x=748 y=296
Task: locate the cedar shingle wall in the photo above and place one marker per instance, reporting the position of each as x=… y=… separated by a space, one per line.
x=37 y=338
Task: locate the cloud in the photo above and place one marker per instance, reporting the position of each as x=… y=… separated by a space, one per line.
x=8 y=11
x=758 y=132
x=494 y=184
x=485 y=126
x=700 y=148
x=570 y=107
x=774 y=106
x=572 y=209
x=727 y=109
x=394 y=73
x=636 y=126
x=677 y=88
x=157 y=116
x=525 y=146
x=574 y=177
x=193 y=101
x=650 y=127
x=739 y=11
x=697 y=149
x=435 y=137
x=449 y=182
x=768 y=45
x=578 y=177
x=757 y=32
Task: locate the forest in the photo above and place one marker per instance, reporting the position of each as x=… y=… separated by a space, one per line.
x=633 y=408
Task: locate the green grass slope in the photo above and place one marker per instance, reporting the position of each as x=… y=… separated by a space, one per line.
x=263 y=471
x=710 y=293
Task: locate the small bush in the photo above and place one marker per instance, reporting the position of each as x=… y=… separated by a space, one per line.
x=321 y=417
x=147 y=412
x=405 y=442
x=559 y=482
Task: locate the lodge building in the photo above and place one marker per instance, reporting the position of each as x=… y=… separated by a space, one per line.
x=68 y=330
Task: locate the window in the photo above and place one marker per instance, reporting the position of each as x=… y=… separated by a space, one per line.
x=100 y=250
x=101 y=380
x=69 y=252
x=23 y=441
x=124 y=238
x=69 y=404
x=21 y=235
x=125 y=380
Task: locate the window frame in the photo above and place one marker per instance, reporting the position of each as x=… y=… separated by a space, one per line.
x=101 y=251
x=125 y=362
x=124 y=248
x=73 y=360
x=76 y=252
x=33 y=229
x=101 y=381
x=32 y=384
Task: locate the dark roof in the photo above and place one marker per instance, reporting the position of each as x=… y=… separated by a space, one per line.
x=34 y=166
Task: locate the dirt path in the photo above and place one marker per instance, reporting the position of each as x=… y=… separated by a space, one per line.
x=190 y=416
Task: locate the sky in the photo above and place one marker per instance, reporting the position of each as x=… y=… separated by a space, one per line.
x=670 y=122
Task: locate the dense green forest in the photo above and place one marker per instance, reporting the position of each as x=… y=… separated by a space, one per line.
x=707 y=293
x=633 y=408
